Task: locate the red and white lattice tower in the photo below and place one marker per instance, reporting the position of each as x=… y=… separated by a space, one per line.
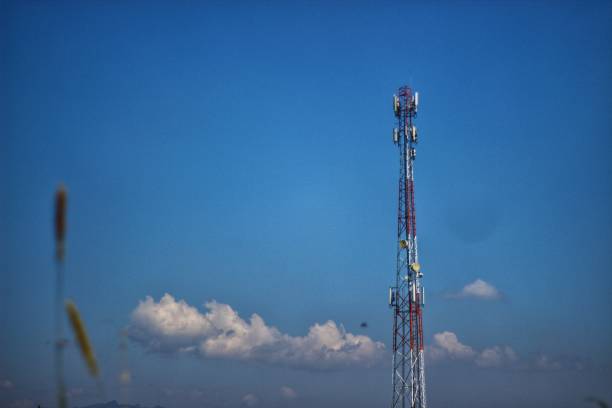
x=406 y=298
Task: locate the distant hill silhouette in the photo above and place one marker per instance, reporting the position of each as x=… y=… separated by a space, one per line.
x=115 y=404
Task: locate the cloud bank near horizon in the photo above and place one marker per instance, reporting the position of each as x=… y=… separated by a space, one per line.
x=446 y=345
x=171 y=326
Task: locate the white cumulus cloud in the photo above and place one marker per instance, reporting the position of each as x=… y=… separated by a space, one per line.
x=478 y=289
x=446 y=345
x=496 y=356
x=167 y=325
x=250 y=400
x=288 y=392
x=544 y=362
x=174 y=326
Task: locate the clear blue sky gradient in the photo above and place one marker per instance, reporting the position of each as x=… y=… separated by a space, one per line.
x=242 y=152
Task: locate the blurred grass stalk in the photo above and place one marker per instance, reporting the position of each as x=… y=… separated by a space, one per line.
x=61 y=199
x=82 y=338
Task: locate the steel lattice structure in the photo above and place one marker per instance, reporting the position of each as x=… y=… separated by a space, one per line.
x=406 y=298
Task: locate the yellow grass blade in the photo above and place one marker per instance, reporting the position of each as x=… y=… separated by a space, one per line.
x=81 y=337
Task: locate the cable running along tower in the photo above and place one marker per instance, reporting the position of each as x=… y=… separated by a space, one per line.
x=407 y=297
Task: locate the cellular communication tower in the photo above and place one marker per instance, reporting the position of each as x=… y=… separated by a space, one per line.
x=407 y=297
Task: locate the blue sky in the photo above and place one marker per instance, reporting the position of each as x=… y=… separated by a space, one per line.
x=243 y=154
